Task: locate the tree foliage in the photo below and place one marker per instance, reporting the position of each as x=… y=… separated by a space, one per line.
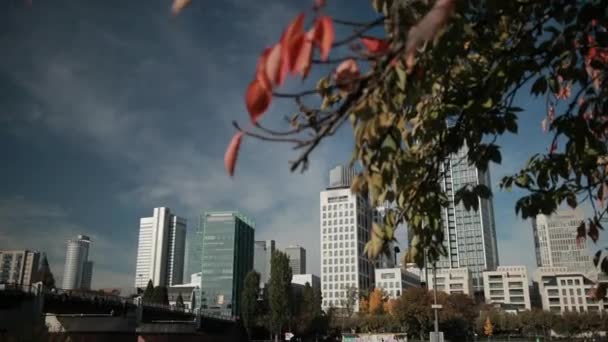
x=417 y=91
x=279 y=291
x=249 y=300
x=45 y=275
x=179 y=301
x=160 y=295
x=351 y=293
x=376 y=301
x=148 y=296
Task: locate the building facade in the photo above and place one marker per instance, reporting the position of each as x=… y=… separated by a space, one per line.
x=393 y=281
x=562 y=291
x=345 y=227
x=555 y=242
x=508 y=286
x=194 y=246
x=470 y=236
x=228 y=239
x=297 y=259
x=19 y=266
x=261 y=260
x=78 y=272
x=161 y=249
x=302 y=279
x=452 y=280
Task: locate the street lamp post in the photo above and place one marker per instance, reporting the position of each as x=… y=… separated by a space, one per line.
x=436 y=307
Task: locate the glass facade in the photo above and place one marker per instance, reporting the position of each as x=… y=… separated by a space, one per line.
x=227 y=256
x=470 y=235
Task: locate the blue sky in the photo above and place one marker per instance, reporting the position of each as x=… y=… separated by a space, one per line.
x=110 y=108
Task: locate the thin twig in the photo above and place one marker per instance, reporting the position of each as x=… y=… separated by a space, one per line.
x=359 y=32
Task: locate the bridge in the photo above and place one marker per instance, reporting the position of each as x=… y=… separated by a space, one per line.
x=26 y=310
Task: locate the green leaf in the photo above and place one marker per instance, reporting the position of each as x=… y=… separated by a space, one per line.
x=540 y=86
x=487 y=104
x=401 y=78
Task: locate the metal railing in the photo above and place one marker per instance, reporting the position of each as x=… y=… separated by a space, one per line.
x=38 y=288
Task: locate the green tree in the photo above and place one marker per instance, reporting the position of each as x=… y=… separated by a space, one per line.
x=569 y=324
x=249 y=300
x=307 y=311
x=538 y=322
x=179 y=301
x=279 y=292
x=415 y=95
x=148 y=296
x=160 y=295
x=413 y=311
x=45 y=275
x=458 y=316
x=350 y=300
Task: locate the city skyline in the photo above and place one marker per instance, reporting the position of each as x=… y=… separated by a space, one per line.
x=79 y=110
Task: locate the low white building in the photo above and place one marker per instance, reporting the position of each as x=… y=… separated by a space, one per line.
x=507 y=286
x=563 y=291
x=302 y=279
x=452 y=280
x=190 y=292
x=394 y=280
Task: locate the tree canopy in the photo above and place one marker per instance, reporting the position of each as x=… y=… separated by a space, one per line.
x=45 y=275
x=249 y=300
x=422 y=80
x=279 y=291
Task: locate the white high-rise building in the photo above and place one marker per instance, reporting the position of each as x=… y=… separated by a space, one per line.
x=297 y=259
x=77 y=272
x=508 y=286
x=555 y=242
x=262 y=254
x=345 y=227
x=161 y=248
x=470 y=236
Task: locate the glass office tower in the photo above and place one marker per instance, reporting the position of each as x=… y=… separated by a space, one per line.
x=227 y=257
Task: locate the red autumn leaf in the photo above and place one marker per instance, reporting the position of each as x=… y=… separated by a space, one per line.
x=260 y=72
x=257 y=99
x=232 y=153
x=345 y=74
x=303 y=62
x=179 y=5
x=324 y=35
x=273 y=65
x=291 y=42
x=375 y=45
x=319 y=4
x=427 y=29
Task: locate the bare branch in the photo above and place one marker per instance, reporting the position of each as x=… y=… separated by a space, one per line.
x=359 y=32
x=352 y=23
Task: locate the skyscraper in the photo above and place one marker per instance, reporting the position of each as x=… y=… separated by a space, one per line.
x=470 y=236
x=555 y=242
x=227 y=257
x=297 y=259
x=345 y=228
x=194 y=246
x=261 y=260
x=77 y=273
x=160 y=251
x=19 y=267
